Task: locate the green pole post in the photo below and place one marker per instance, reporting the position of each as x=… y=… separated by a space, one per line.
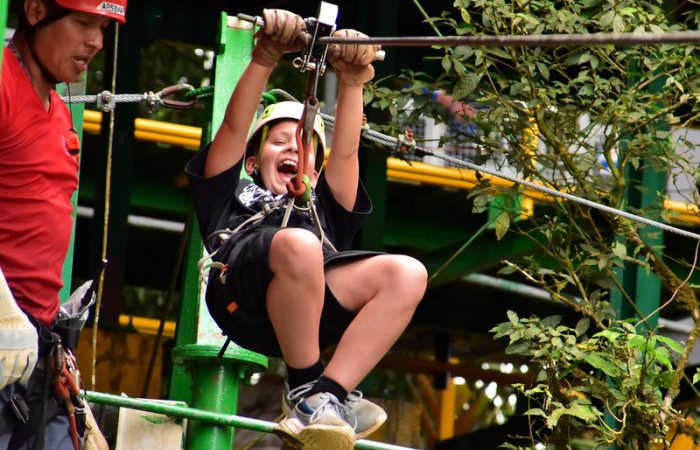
x=3 y=21
x=643 y=189
x=201 y=378
x=77 y=111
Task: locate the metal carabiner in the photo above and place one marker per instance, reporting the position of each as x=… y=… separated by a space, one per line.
x=176 y=104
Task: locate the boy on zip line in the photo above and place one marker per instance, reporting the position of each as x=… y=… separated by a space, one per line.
x=295 y=290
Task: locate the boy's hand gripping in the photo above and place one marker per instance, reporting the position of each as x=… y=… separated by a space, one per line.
x=19 y=341
x=283 y=32
x=352 y=62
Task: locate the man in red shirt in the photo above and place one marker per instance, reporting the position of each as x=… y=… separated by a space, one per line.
x=39 y=160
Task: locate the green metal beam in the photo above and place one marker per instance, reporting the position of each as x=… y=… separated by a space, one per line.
x=201 y=377
x=483 y=253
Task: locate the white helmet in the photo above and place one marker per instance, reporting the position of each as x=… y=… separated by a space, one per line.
x=293 y=111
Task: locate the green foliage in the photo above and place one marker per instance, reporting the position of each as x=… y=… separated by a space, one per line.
x=586 y=375
x=578 y=119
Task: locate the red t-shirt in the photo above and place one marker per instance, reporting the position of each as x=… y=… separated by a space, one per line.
x=39 y=160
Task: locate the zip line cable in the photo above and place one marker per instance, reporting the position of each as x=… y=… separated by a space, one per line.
x=534 y=40
x=389 y=141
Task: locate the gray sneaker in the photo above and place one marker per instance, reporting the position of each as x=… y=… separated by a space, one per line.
x=368 y=416
x=318 y=422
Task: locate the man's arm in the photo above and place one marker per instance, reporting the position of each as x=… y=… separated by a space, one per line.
x=353 y=67
x=284 y=32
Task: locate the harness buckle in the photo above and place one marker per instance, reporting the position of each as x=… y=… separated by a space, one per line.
x=314 y=58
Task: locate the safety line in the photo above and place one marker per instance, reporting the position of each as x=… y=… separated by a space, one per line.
x=105 y=216
x=118 y=98
x=393 y=142
x=106 y=100
x=535 y=40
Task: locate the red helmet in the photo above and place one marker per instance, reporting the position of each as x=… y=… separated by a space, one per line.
x=114 y=9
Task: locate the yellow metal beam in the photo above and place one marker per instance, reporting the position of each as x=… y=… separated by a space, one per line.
x=144 y=325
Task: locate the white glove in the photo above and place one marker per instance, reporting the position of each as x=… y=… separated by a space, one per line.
x=19 y=342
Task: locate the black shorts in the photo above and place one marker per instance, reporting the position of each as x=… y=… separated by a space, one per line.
x=238 y=304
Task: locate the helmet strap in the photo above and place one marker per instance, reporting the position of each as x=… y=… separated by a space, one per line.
x=263 y=138
x=31 y=33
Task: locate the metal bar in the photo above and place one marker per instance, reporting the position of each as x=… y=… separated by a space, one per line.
x=202 y=415
x=537 y=40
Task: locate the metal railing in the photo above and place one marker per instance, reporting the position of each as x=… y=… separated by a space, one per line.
x=224 y=420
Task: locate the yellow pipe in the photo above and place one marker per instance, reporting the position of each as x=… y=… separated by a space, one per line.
x=92 y=116
x=448 y=176
x=145 y=325
x=156 y=126
x=166 y=139
x=417 y=172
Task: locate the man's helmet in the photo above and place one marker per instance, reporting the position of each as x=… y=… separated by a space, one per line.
x=114 y=9
x=293 y=111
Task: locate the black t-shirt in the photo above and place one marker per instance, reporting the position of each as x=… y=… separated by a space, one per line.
x=227 y=200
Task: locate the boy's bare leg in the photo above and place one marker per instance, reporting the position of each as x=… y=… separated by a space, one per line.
x=385 y=290
x=295 y=294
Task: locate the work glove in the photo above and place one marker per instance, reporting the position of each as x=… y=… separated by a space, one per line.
x=352 y=62
x=19 y=342
x=284 y=32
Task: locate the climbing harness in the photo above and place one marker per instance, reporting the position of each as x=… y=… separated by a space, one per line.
x=106 y=101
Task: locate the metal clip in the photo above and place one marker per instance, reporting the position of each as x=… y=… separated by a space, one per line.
x=311 y=106
x=314 y=58
x=105 y=101
x=176 y=104
x=405 y=142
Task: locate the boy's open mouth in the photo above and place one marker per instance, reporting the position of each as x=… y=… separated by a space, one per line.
x=287 y=167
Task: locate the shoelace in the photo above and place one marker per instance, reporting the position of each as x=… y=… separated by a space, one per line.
x=296 y=394
x=329 y=402
x=354 y=396
x=344 y=410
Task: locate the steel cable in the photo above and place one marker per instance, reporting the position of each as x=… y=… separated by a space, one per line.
x=389 y=141
x=118 y=98
x=535 y=40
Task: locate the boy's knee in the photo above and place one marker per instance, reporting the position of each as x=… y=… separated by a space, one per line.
x=410 y=273
x=295 y=246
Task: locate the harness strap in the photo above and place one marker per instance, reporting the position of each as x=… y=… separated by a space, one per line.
x=53 y=367
x=31 y=33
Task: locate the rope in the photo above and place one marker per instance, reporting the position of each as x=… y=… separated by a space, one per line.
x=105 y=220
x=537 y=40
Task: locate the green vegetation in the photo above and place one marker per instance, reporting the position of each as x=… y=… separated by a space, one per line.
x=603 y=116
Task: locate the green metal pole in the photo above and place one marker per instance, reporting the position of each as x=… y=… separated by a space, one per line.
x=77 y=111
x=3 y=21
x=200 y=377
x=201 y=415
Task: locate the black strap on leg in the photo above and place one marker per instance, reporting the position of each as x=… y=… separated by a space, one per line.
x=224 y=347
